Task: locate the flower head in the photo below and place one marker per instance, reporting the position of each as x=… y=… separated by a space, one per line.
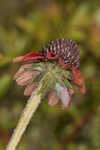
x=60 y=60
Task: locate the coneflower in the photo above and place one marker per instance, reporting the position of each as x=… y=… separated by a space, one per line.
x=52 y=71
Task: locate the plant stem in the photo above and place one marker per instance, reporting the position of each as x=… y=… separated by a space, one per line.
x=26 y=116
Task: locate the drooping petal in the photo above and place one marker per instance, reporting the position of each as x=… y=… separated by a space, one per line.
x=78 y=79
x=76 y=73
x=65 y=97
x=21 y=70
x=63 y=94
x=32 y=56
x=29 y=89
x=18 y=59
x=52 y=98
x=66 y=106
x=82 y=89
x=71 y=92
x=25 y=78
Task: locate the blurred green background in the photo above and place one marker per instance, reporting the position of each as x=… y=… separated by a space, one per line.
x=26 y=26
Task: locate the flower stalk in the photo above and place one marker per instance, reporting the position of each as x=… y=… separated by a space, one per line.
x=26 y=116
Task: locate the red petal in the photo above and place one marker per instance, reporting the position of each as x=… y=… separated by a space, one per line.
x=29 y=89
x=71 y=92
x=61 y=63
x=52 y=98
x=25 y=78
x=33 y=56
x=66 y=106
x=78 y=79
x=18 y=59
x=76 y=73
x=82 y=89
x=21 y=70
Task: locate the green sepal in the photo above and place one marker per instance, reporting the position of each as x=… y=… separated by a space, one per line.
x=37 y=66
x=67 y=74
x=67 y=84
x=47 y=84
x=35 y=76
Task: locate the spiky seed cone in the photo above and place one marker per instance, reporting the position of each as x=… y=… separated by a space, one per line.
x=66 y=49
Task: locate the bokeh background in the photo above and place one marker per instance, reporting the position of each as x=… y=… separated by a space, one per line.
x=26 y=26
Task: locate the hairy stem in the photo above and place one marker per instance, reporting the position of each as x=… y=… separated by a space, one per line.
x=26 y=116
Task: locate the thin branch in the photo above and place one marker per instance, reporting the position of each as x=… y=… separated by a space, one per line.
x=88 y=116
x=4 y=136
